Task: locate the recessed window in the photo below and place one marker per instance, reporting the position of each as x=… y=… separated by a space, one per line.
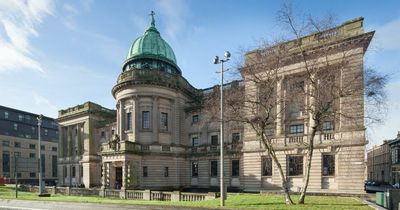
x=17 y=144
x=297 y=129
x=328 y=165
x=266 y=164
x=166 y=172
x=5 y=115
x=46 y=132
x=103 y=134
x=73 y=171
x=195 y=169
x=235 y=138
x=15 y=126
x=214 y=168
x=235 y=167
x=6 y=143
x=214 y=140
x=295 y=165
x=195 y=141
x=164 y=121
x=32 y=146
x=129 y=121
x=18 y=175
x=42 y=147
x=32 y=174
x=20 y=117
x=146 y=120
x=32 y=155
x=145 y=174
x=327 y=126
x=195 y=118
x=54 y=149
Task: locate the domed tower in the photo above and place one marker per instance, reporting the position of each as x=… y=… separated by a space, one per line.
x=150 y=95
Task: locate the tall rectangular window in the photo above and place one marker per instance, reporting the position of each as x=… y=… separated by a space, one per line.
x=15 y=126
x=295 y=165
x=164 y=121
x=73 y=171
x=235 y=138
x=129 y=121
x=145 y=174
x=195 y=169
x=195 y=141
x=266 y=163
x=235 y=167
x=297 y=129
x=6 y=163
x=146 y=120
x=54 y=165
x=214 y=168
x=166 y=172
x=5 y=115
x=328 y=165
x=46 y=132
x=20 y=117
x=214 y=140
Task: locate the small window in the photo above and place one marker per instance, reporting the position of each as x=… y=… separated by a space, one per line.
x=166 y=172
x=235 y=138
x=32 y=155
x=46 y=132
x=195 y=118
x=17 y=144
x=32 y=146
x=145 y=171
x=164 y=121
x=328 y=165
x=20 y=117
x=214 y=140
x=195 y=141
x=128 y=121
x=297 y=129
x=327 y=126
x=295 y=165
x=146 y=120
x=6 y=143
x=195 y=169
x=27 y=118
x=266 y=169
x=235 y=167
x=103 y=134
x=73 y=171
x=54 y=149
x=5 y=115
x=15 y=126
x=42 y=147
x=32 y=174
x=214 y=168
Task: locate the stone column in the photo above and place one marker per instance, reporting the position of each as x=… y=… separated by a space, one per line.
x=278 y=131
x=121 y=120
x=104 y=178
x=124 y=176
x=61 y=142
x=155 y=119
x=69 y=142
x=137 y=124
x=79 y=138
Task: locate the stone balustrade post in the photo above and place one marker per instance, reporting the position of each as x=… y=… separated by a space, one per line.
x=147 y=195
x=176 y=196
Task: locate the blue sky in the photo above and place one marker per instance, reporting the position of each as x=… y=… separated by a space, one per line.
x=57 y=54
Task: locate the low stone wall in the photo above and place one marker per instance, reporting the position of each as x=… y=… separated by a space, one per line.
x=126 y=194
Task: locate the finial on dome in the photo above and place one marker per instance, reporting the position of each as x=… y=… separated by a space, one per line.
x=153 y=22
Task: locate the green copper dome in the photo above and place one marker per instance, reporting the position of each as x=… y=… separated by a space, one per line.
x=151 y=45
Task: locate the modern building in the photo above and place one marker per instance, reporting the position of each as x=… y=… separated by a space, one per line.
x=379 y=161
x=162 y=137
x=395 y=159
x=19 y=138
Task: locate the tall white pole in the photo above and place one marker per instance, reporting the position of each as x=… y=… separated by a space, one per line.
x=222 y=186
x=40 y=156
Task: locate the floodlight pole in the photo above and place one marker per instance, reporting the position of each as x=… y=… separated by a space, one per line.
x=39 y=118
x=222 y=182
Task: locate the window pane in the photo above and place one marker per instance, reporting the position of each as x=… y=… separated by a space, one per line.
x=166 y=172
x=146 y=119
x=195 y=118
x=295 y=165
x=128 y=121
x=164 y=121
x=195 y=141
x=235 y=138
x=266 y=166
x=145 y=171
x=235 y=167
x=214 y=140
x=328 y=165
x=214 y=168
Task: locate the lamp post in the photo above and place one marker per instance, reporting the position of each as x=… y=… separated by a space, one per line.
x=39 y=118
x=227 y=56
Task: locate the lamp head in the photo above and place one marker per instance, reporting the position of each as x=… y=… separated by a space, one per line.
x=227 y=54
x=216 y=60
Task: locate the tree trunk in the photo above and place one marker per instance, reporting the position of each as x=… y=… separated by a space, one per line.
x=308 y=164
x=285 y=186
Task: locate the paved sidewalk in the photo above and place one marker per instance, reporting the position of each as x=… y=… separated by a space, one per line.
x=56 y=205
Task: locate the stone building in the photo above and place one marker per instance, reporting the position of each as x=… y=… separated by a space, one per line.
x=379 y=163
x=395 y=159
x=19 y=138
x=162 y=138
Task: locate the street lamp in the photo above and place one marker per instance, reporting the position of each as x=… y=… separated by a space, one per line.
x=227 y=56
x=39 y=118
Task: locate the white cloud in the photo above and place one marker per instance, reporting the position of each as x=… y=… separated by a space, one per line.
x=18 y=20
x=175 y=13
x=387 y=36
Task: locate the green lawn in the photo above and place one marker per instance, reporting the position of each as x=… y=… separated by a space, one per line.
x=235 y=201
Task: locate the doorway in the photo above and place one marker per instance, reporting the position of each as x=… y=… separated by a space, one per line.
x=118 y=177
